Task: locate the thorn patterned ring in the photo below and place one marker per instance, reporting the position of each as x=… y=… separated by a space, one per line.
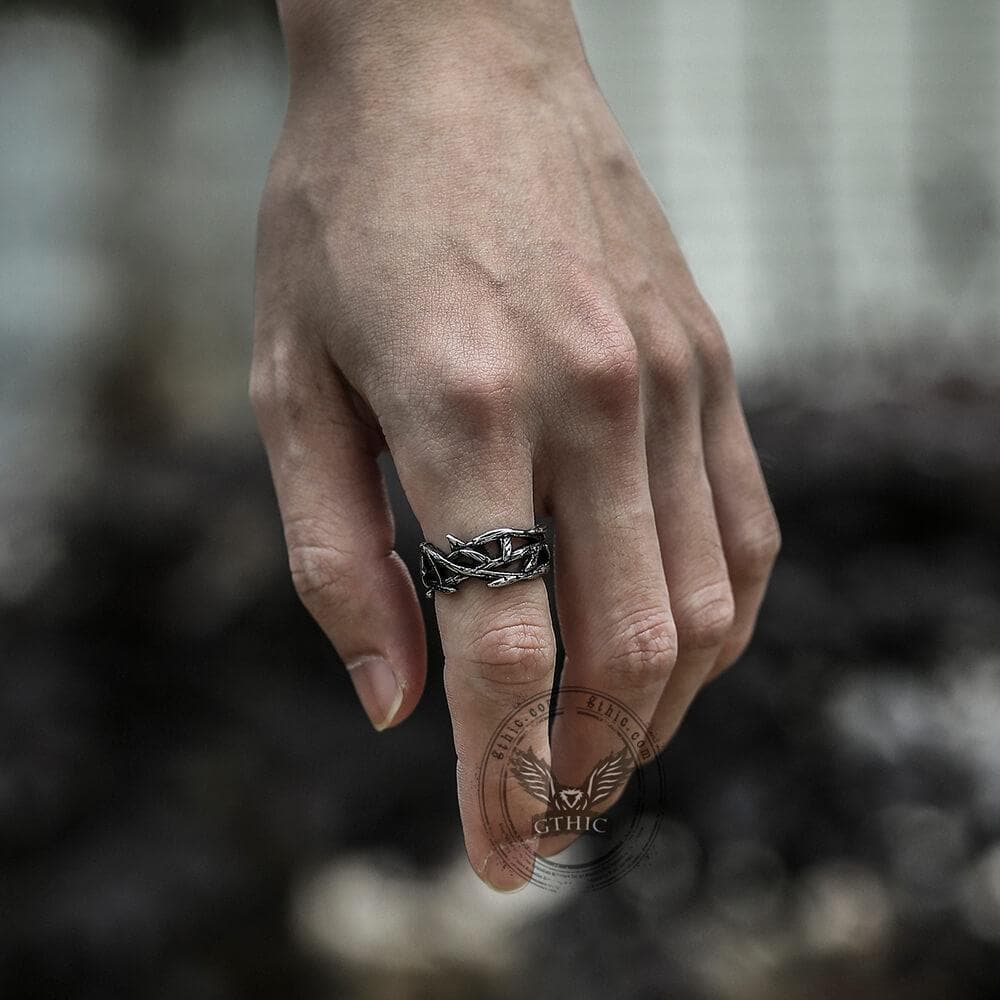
x=491 y=556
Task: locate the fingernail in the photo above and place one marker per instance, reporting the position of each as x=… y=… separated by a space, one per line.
x=501 y=876
x=498 y=875
x=379 y=692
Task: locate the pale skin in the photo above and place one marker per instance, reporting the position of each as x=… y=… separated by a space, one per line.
x=459 y=260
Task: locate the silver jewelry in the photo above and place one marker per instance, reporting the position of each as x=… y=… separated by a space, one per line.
x=490 y=556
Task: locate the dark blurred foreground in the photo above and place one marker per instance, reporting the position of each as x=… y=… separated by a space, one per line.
x=180 y=752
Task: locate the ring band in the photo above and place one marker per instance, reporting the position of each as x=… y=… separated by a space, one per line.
x=490 y=556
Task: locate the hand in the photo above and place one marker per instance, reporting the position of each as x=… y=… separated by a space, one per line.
x=459 y=259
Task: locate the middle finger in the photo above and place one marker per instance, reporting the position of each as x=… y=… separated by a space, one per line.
x=611 y=592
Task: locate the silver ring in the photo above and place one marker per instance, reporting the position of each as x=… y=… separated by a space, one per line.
x=490 y=556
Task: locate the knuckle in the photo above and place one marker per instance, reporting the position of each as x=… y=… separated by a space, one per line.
x=516 y=650
x=646 y=650
x=275 y=387
x=261 y=391
x=670 y=365
x=715 y=360
x=756 y=548
x=733 y=650
x=705 y=618
x=713 y=348
x=605 y=374
x=476 y=390
x=649 y=310
x=321 y=575
x=481 y=395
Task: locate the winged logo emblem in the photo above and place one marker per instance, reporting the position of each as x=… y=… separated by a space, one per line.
x=536 y=778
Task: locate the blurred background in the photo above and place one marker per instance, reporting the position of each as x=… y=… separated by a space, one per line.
x=192 y=804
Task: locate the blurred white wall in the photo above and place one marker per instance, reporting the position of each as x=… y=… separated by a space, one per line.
x=128 y=194
x=832 y=170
